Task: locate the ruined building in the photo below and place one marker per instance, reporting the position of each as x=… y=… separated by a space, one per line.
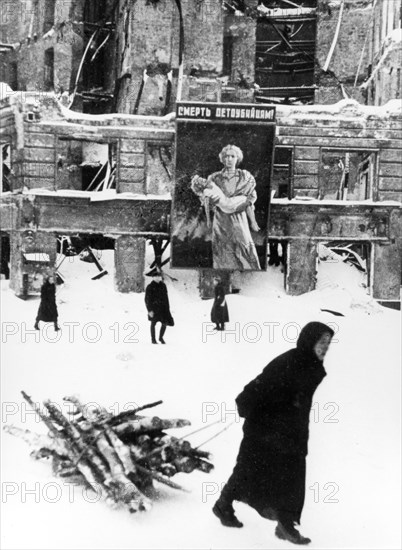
x=87 y=123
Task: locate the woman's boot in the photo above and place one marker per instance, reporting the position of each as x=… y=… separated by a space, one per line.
x=224 y=511
x=288 y=532
x=161 y=334
x=223 y=507
x=153 y=332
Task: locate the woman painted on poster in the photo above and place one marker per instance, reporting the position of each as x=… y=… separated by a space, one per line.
x=231 y=192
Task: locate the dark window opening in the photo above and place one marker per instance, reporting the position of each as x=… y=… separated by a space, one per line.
x=346 y=175
x=33 y=16
x=96 y=98
x=86 y=165
x=5 y=169
x=282 y=173
x=49 y=15
x=227 y=55
x=49 y=70
x=285 y=50
x=14 y=75
x=5 y=255
x=277 y=253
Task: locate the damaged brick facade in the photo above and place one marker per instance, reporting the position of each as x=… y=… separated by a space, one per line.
x=143 y=68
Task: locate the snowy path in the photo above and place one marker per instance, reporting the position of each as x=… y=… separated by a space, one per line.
x=354 y=459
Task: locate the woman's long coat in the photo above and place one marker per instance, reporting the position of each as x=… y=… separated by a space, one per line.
x=232 y=244
x=270 y=471
x=219 y=311
x=47 y=311
x=157 y=300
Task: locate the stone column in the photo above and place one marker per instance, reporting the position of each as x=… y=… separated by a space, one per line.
x=27 y=272
x=386 y=274
x=301 y=267
x=129 y=260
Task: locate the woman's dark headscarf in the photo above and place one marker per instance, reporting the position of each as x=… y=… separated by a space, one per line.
x=310 y=334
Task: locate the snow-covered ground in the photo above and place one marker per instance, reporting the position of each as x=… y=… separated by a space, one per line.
x=353 y=479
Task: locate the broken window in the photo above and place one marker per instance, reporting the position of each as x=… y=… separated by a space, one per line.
x=344 y=263
x=346 y=175
x=49 y=15
x=285 y=49
x=159 y=168
x=282 y=173
x=48 y=77
x=34 y=18
x=97 y=77
x=227 y=54
x=5 y=168
x=86 y=165
x=98 y=166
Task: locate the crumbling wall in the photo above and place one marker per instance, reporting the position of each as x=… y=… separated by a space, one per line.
x=10 y=121
x=10 y=16
x=351 y=55
x=49 y=50
x=141 y=141
x=346 y=125
x=65 y=38
x=148 y=51
x=384 y=82
x=387 y=16
x=8 y=68
x=49 y=143
x=27 y=277
x=242 y=30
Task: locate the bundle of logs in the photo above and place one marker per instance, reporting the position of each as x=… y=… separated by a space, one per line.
x=118 y=456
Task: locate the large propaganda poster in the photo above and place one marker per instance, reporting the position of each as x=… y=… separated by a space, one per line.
x=224 y=155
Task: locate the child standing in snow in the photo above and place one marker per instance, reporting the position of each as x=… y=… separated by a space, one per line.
x=157 y=304
x=47 y=311
x=219 y=312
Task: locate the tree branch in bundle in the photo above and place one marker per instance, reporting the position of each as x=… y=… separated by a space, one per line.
x=116 y=455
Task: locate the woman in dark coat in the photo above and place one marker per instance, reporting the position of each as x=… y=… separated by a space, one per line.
x=47 y=311
x=157 y=304
x=219 y=311
x=271 y=466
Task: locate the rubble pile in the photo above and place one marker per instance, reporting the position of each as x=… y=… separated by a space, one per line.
x=119 y=455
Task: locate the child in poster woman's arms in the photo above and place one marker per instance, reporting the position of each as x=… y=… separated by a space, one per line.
x=207 y=190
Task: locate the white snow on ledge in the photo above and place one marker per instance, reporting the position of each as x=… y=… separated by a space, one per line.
x=346 y=107
x=79 y=117
x=318 y=202
x=97 y=196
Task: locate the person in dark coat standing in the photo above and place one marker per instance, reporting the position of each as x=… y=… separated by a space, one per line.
x=270 y=471
x=219 y=311
x=157 y=304
x=47 y=311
